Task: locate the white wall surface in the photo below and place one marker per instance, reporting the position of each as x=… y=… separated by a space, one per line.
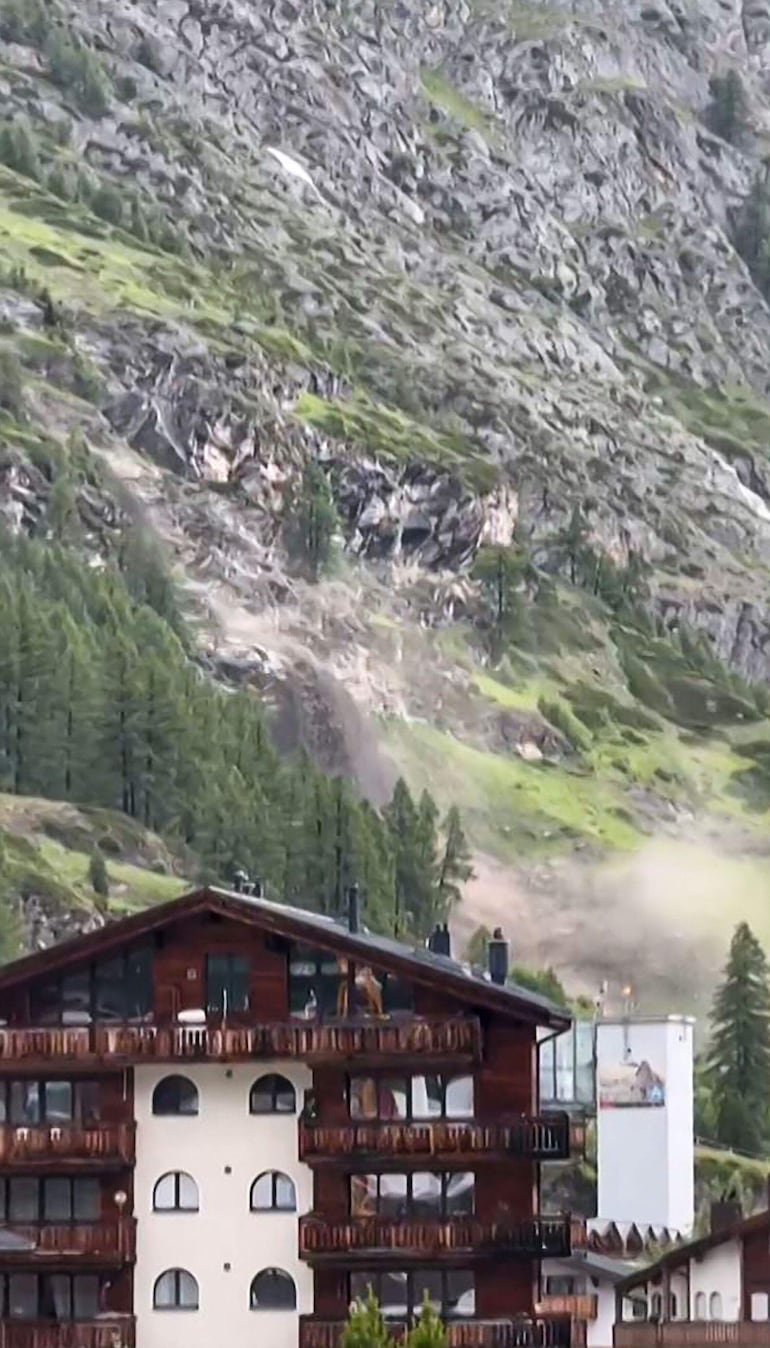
x=646 y=1153
x=718 y=1271
x=599 y=1334
x=224 y=1231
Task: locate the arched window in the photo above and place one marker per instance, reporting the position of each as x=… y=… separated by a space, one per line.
x=175 y=1192
x=175 y=1095
x=715 y=1306
x=272 y=1095
x=175 y=1290
x=656 y=1306
x=273 y=1290
x=273 y=1192
x=673 y=1306
x=700 y=1305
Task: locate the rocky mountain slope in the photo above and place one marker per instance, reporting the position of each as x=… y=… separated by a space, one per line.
x=477 y=257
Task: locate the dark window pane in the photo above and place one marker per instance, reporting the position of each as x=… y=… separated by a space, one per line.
x=87 y=1200
x=272 y=1094
x=139 y=984
x=110 y=990
x=394 y=1299
x=57 y=1200
x=25 y=1102
x=85 y=1297
x=427 y=1282
x=45 y=1004
x=76 y=998
x=175 y=1095
x=22 y=1296
x=460 y=1195
x=58 y=1101
x=55 y=1296
x=393 y=1197
x=23 y=1200
x=392 y=1098
x=426 y=1195
x=87 y=1102
x=273 y=1290
x=227 y=983
x=360 y=1284
x=4 y=1088
x=396 y=995
x=460 y=1294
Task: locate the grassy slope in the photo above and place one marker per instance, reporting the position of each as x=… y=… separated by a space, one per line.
x=45 y=850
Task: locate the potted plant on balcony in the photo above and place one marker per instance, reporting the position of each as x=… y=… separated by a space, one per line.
x=366 y=1327
x=429 y=1331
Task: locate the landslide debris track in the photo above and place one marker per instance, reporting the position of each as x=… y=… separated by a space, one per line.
x=477 y=256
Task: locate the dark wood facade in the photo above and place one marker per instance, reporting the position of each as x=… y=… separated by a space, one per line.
x=454 y=1026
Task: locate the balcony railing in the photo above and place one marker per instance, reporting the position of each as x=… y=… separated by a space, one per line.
x=83 y=1145
x=693 y=1334
x=96 y=1242
x=112 y=1331
x=585 y=1307
x=378 y=1237
x=546 y=1137
x=362 y=1039
x=521 y=1332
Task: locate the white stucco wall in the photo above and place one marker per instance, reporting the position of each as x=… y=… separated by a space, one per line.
x=718 y=1271
x=599 y=1334
x=224 y=1232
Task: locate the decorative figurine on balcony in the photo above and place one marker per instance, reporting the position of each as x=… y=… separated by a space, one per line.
x=368 y=991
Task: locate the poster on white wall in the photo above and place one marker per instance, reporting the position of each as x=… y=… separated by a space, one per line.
x=631 y=1085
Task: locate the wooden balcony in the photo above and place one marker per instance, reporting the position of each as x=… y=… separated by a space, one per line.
x=31 y=1244
x=584 y=1307
x=692 y=1334
x=542 y=1138
x=112 y=1331
x=521 y=1332
x=78 y=1146
x=383 y=1239
x=402 y=1039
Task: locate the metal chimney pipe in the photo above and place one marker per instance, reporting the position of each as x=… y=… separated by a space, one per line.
x=354 y=909
x=498 y=957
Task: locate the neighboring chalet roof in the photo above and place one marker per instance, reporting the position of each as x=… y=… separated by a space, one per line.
x=597 y=1265
x=696 y=1249
x=421 y=965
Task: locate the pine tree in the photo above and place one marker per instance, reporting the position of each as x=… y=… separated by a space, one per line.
x=728 y=112
x=571 y=543
x=455 y=867
x=366 y=1327
x=97 y=875
x=739 y=1053
x=502 y=574
x=429 y=1331
x=314 y=519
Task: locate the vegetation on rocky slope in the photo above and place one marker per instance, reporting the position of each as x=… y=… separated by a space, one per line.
x=471 y=354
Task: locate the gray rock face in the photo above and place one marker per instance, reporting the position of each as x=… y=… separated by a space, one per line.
x=509 y=224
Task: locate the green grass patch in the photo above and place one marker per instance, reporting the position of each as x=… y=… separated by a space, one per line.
x=444 y=95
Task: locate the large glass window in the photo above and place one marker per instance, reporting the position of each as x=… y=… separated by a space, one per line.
x=50 y=1296
x=424 y=1194
x=52 y=1199
x=227 y=984
x=315 y=978
x=272 y=1094
x=116 y=989
x=273 y=1192
x=175 y=1095
x=175 y=1192
x=401 y=1295
x=417 y=1097
x=273 y=1290
x=28 y=1102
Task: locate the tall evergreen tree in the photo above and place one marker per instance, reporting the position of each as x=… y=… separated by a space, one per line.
x=314 y=519
x=503 y=574
x=455 y=867
x=739 y=1053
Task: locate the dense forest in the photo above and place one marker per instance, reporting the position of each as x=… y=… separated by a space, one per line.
x=102 y=702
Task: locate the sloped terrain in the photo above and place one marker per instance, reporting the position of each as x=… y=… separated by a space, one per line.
x=477 y=258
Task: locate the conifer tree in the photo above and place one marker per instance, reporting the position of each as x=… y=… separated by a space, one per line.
x=739 y=1053
x=97 y=874
x=502 y=574
x=366 y=1327
x=429 y=1330
x=314 y=521
x=455 y=867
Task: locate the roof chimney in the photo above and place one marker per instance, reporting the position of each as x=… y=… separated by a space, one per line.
x=440 y=940
x=354 y=909
x=498 y=957
x=240 y=881
x=723 y=1214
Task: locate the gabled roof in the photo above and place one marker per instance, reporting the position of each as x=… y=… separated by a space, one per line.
x=696 y=1249
x=420 y=965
